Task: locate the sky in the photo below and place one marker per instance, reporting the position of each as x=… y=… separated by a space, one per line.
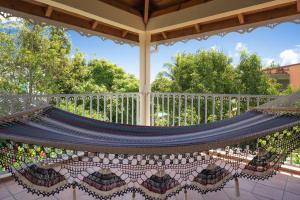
x=281 y=45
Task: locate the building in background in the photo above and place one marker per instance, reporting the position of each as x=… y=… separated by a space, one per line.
x=286 y=75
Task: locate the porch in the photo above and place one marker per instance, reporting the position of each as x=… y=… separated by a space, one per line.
x=280 y=187
x=151 y=108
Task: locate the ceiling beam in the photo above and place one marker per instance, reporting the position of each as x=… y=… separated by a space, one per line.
x=101 y=12
x=164 y=35
x=61 y=18
x=146 y=11
x=94 y=25
x=124 y=34
x=298 y=5
x=259 y=18
x=49 y=11
x=241 y=18
x=209 y=11
x=197 y=28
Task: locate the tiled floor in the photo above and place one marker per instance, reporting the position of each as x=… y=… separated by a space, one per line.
x=280 y=187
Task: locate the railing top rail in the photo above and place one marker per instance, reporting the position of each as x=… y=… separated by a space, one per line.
x=74 y=94
x=212 y=94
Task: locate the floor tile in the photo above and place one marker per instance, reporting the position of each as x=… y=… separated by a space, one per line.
x=276 y=183
x=293 y=179
x=290 y=196
x=26 y=196
x=15 y=188
x=249 y=190
x=8 y=198
x=66 y=194
x=258 y=197
x=4 y=193
x=193 y=195
x=244 y=195
x=246 y=184
x=48 y=198
x=267 y=191
x=216 y=196
x=293 y=188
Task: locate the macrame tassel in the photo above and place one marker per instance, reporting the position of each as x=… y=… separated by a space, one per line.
x=237 y=187
x=133 y=195
x=74 y=192
x=185 y=194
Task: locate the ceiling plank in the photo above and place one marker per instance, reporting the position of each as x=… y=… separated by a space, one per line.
x=241 y=18
x=229 y=24
x=181 y=5
x=94 y=25
x=26 y=9
x=101 y=12
x=146 y=11
x=123 y=6
x=49 y=11
x=209 y=11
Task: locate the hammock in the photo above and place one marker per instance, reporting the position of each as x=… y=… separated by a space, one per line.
x=48 y=149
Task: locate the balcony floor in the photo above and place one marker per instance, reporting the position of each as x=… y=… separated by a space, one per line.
x=280 y=187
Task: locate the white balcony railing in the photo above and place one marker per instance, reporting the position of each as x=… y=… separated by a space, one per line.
x=166 y=109
x=177 y=109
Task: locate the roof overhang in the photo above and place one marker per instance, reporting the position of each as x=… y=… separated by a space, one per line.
x=199 y=21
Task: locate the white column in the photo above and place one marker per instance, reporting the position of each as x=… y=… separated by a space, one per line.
x=145 y=87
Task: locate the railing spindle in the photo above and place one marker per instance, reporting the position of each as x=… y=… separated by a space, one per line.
x=213 y=107
x=179 y=109
x=199 y=104
x=152 y=109
x=91 y=106
x=110 y=107
x=117 y=104
x=205 y=100
x=185 y=109
x=122 y=109
x=104 y=107
x=173 y=120
x=221 y=107
x=127 y=106
x=168 y=108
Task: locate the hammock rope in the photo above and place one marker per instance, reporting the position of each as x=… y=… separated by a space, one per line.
x=48 y=150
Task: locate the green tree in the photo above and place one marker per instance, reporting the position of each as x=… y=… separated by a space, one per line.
x=58 y=61
x=31 y=61
x=204 y=71
x=112 y=77
x=8 y=81
x=162 y=83
x=36 y=59
x=251 y=77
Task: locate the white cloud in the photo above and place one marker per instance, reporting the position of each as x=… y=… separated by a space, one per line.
x=289 y=56
x=9 y=19
x=268 y=61
x=241 y=47
x=214 y=47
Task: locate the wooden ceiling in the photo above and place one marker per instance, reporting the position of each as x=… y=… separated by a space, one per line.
x=153 y=8
x=147 y=9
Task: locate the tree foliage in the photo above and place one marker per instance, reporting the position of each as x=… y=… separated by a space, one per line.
x=252 y=78
x=211 y=71
x=36 y=59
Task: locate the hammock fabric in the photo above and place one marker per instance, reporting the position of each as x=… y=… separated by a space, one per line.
x=48 y=150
